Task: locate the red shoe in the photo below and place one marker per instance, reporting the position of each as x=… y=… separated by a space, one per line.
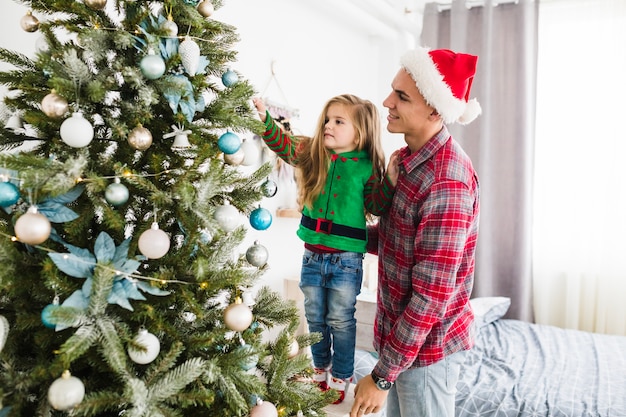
x=341 y=386
x=320 y=376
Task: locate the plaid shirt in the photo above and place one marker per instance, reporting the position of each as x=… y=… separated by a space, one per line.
x=426 y=245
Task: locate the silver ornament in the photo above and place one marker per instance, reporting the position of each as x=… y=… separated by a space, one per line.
x=66 y=392
x=257 y=254
x=189 y=52
x=140 y=138
x=152 y=66
x=269 y=188
x=205 y=8
x=54 y=106
x=170 y=27
x=29 y=22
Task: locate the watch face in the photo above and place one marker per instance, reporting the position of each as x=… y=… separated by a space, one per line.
x=383 y=384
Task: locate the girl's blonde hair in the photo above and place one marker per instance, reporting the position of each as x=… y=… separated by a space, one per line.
x=314 y=158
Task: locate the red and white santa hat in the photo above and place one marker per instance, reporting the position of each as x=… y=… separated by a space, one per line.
x=444 y=78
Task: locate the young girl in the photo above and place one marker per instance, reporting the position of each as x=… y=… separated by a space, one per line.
x=341 y=182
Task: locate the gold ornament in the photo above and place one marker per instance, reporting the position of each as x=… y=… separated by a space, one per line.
x=53 y=105
x=96 y=4
x=32 y=227
x=29 y=22
x=140 y=138
x=205 y=8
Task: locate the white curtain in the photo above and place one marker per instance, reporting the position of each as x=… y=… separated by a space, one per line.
x=579 y=231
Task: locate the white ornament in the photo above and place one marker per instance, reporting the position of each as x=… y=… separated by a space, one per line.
x=234 y=158
x=32 y=227
x=4 y=331
x=294 y=349
x=189 y=52
x=150 y=342
x=264 y=409
x=76 y=131
x=66 y=392
x=228 y=217
x=170 y=27
x=252 y=152
x=181 y=140
x=205 y=8
x=238 y=316
x=154 y=242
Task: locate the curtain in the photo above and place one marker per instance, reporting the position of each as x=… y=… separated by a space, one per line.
x=501 y=141
x=580 y=183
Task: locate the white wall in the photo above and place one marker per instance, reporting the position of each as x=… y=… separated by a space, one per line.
x=320 y=48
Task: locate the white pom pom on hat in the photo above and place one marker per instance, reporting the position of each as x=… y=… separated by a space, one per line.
x=444 y=78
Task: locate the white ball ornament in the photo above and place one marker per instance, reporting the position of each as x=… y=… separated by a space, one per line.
x=294 y=349
x=257 y=254
x=32 y=227
x=152 y=66
x=140 y=138
x=236 y=158
x=170 y=27
x=228 y=217
x=205 y=8
x=54 y=106
x=238 y=316
x=151 y=344
x=76 y=131
x=264 y=409
x=4 y=331
x=66 y=392
x=252 y=152
x=154 y=243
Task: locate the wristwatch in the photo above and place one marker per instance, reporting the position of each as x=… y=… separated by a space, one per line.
x=381 y=383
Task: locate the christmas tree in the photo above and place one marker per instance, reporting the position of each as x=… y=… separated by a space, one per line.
x=125 y=289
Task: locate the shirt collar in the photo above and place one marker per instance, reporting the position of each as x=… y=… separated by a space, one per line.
x=410 y=161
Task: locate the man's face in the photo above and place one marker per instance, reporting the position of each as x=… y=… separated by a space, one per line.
x=408 y=111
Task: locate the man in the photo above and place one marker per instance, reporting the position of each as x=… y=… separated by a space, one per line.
x=426 y=243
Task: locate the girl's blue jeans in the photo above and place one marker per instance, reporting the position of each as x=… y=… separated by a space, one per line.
x=330 y=283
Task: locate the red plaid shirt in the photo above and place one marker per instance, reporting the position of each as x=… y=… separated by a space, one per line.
x=426 y=245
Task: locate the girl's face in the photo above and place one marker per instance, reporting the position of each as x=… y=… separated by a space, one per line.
x=339 y=132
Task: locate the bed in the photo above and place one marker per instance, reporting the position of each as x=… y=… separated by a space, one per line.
x=519 y=369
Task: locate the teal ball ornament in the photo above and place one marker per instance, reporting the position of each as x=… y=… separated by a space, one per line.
x=152 y=66
x=229 y=143
x=260 y=218
x=45 y=315
x=230 y=78
x=9 y=194
x=116 y=194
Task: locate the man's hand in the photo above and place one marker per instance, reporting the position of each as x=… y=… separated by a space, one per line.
x=367 y=397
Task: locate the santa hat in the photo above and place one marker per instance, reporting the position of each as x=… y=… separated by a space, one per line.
x=444 y=78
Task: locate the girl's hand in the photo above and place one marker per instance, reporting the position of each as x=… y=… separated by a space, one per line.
x=260 y=107
x=393 y=169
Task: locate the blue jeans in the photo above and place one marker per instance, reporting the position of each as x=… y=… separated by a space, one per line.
x=426 y=392
x=330 y=283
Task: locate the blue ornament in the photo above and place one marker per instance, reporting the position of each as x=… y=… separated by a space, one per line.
x=152 y=66
x=45 y=315
x=9 y=194
x=230 y=78
x=260 y=218
x=116 y=193
x=229 y=143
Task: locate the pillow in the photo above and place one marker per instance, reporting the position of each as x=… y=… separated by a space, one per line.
x=489 y=309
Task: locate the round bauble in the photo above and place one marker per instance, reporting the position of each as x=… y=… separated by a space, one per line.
x=227 y=217
x=96 y=4
x=230 y=78
x=32 y=227
x=29 y=22
x=257 y=255
x=140 y=138
x=151 y=344
x=170 y=27
x=154 y=243
x=66 y=392
x=234 y=158
x=293 y=349
x=116 y=193
x=54 y=106
x=152 y=66
x=252 y=152
x=229 y=143
x=45 y=315
x=41 y=44
x=4 y=331
x=250 y=359
x=9 y=194
x=205 y=8
x=76 y=131
x=260 y=218
x=269 y=188
x=264 y=409
x=237 y=316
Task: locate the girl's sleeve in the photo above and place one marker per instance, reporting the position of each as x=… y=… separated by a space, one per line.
x=378 y=195
x=278 y=141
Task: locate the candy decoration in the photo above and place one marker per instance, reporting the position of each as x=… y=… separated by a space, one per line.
x=237 y=316
x=205 y=8
x=152 y=66
x=32 y=227
x=257 y=254
x=29 y=22
x=9 y=194
x=260 y=218
x=140 y=138
x=154 y=243
x=229 y=143
x=230 y=78
x=76 y=131
x=54 y=106
x=269 y=188
x=189 y=52
x=116 y=193
x=151 y=344
x=66 y=392
x=227 y=217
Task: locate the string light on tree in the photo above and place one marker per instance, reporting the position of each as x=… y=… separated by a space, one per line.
x=154 y=243
x=32 y=227
x=66 y=392
x=76 y=131
x=151 y=344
